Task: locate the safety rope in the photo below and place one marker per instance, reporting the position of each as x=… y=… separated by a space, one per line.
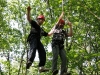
x=29 y=2
x=63 y=10
x=27 y=45
x=62 y=6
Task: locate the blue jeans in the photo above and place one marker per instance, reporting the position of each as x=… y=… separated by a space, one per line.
x=35 y=44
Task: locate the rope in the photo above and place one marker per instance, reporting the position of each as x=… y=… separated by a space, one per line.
x=27 y=45
x=29 y=2
x=62 y=5
x=63 y=10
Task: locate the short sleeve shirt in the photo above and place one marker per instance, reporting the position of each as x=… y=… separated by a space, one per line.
x=36 y=30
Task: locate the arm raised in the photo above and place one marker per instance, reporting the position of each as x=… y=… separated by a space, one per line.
x=51 y=31
x=28 y=13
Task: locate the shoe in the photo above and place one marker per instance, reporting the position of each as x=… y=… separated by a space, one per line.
x=55 y=72
x=42 y=69
x=28 y=64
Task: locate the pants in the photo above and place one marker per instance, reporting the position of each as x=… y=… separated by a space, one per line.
x=59 y=50
x=35 y=44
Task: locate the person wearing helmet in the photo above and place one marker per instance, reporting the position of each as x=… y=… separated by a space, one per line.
x=58 y=38
x=34 y=41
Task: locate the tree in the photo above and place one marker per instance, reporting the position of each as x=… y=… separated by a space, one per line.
x=83 y=54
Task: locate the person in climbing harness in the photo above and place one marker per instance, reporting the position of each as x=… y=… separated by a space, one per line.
x=58 y=38
x=34 y=41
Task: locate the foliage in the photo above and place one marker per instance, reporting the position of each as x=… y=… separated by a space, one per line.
x=82 y=50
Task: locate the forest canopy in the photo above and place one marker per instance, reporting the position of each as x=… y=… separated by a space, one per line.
x=82 y=50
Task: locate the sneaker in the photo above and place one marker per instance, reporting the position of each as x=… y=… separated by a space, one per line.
x=28 y=64
x=42 y=69
x=55 y=72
